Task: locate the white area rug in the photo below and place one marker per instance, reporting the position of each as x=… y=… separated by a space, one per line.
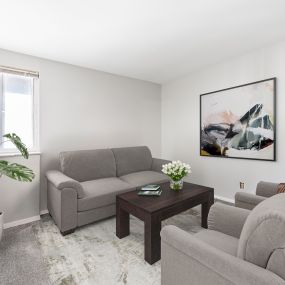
x=93 y=255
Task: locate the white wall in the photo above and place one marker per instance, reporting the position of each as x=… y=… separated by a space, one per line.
x=180 y=121
x=20 y=200
x=85 y=109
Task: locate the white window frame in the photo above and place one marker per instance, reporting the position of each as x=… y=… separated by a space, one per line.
x=36 y=145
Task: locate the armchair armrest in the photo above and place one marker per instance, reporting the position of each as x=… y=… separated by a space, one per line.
x=157 y=164
x=186 y=259
x=247 y=200
x=227 y=219
x=266 y=189
x=61 y=181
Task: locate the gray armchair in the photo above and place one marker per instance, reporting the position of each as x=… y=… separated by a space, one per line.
x=263 y=190
x=240 y=247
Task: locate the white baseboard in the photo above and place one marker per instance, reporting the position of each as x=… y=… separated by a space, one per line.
x=228 y=200
x=43 y=212
x=25 y=221
x=21 y=222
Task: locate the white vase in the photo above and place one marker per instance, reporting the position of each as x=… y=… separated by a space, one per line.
x=1 y=224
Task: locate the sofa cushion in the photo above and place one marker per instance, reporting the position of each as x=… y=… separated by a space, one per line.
x=219 y=240
x=86 y=165
x=101 y=192
x=132 y=159
x=142 y=178
x=264 y=232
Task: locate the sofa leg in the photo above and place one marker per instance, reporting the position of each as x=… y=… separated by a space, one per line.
x=64 y=233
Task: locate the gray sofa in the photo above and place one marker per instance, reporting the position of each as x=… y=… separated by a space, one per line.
x=85 y=189
x=240 y=247
x=248 y=201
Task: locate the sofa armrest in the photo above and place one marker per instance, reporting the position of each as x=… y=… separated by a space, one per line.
x=62 y=206
x=157 y=164
x=247 y=200
x=185 y=259
x=227 y=219
x=61 y=181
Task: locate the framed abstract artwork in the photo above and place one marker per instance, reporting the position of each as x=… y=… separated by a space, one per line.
x=240 y=122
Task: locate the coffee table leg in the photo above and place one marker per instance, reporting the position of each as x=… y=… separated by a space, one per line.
x=122 y=222
x=152 y=227
x=205 y=210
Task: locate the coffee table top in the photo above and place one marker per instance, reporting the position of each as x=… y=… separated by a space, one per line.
x=167 y=198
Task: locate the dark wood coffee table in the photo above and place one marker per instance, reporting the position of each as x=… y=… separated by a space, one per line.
x=153 y=210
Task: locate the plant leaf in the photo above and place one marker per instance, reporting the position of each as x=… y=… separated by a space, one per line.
x=16 y=171
x=18 y=143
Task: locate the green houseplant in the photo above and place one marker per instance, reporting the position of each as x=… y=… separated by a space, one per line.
x=14 y=170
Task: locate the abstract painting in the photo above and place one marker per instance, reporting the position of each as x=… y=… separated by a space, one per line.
x=239 y=122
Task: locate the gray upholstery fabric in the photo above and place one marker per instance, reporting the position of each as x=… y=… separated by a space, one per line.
x=61 y=181
x=264 y=231
x=141 y=178
x=188 y=260
x=85 y=191
x=132 y=159
x=227 y=219
x=179 y=269
x=247 y=200
x=266 y=189
x=101 y=192
x=263 y=191
x=276 y=262
x=219 y=240
x=86 y=165
x=157 y=164
x=94 y=215
x=62 y=205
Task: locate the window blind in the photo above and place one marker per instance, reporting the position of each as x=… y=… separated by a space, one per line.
x=17 y=71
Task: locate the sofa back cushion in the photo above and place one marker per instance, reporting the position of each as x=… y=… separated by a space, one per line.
x=263 y=234
x=86 y=165
x=266 y=189
x=132 y=159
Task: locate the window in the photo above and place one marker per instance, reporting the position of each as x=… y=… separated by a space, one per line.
x=18 y=105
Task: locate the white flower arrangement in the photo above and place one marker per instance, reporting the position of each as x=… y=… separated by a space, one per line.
x=176 y=170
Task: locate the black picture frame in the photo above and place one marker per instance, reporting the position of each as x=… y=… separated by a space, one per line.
x=274 y=158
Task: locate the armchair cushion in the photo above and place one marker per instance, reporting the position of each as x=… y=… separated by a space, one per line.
x=142 y=178
x=61 y=181
x=101 y=192
x=227 y=219
x=219 y=240
x=264 y=231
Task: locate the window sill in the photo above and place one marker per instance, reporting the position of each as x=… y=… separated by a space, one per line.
x=9 y=154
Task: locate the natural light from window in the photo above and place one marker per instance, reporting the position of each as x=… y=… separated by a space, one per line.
x=17 y=108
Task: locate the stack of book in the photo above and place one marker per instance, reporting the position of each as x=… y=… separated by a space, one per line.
x=150 y=190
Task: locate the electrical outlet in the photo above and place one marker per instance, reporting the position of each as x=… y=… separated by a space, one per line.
x=241 y=185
